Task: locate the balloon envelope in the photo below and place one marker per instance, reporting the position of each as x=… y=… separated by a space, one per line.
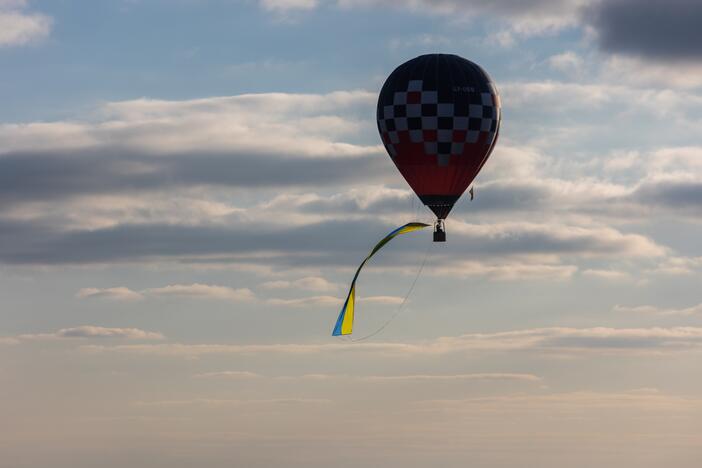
x=439 y=118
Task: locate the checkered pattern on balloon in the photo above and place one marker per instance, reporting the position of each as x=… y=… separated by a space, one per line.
x=446 y=130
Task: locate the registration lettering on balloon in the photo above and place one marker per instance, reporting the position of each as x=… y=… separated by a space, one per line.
x=463 y=89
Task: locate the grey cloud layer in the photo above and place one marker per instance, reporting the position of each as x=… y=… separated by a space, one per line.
x=50 y=212
x=325 y=243
x=660 y=29
x=51 y=175
x=260 y=140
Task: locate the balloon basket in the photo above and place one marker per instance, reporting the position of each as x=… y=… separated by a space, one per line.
x=439 y=231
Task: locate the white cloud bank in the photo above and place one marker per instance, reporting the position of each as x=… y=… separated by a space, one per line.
x=188 y=291
x=86 y=332
x=117 y=294
x=604 y=340
x=197 y=291
x=305 y=125
x=308 y=283
x=661 y=311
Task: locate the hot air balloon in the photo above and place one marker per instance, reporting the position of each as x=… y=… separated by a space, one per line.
x=439 y=118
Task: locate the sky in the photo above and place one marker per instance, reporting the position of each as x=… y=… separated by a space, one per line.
x=187 y=186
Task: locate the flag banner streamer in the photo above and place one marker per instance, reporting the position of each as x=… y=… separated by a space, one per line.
x=344 y=324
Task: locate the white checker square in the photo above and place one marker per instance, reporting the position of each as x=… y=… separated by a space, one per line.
x=388 y=112
x=443 y=159
x=400 y=98
x=487 y=99
x=416 y=136
x=429 y=97
x=381 y=124
x=485 y=125
x=457 y=148
x=394 y=137
x=430 y=123
x=475 y=111
x=472 y=136
x=430 y=147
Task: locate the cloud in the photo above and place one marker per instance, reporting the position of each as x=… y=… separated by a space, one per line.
x=567 y=62
x=83 y=202
x=325 y=301
x=678 y=266
x=641 y=400
x=607 y=275
x=117 y=294
x=313 y=301
x=494 y=376
x=559 y=340
x=677 y=193
x=599 y=339
x=520 y=18
x=94 y=332
x=212 y=402
x=288 y=5
x=225 y=293
x=321 y=243
x=251 y=140
x=88 y=331
x=388 y=300
x=371 y=199
x=564 y=98
x=202 y=291
x=420 y=41
x=488 y=376
x=308 y=283
x=452 y=377
x=188 y=291
x=228 y=375
x=310 y=125
x=519 y=238
x=639 y=71
x=37 y=177
x=658 y=29
x=507 y=270
x=653 y=310
x=19 y=27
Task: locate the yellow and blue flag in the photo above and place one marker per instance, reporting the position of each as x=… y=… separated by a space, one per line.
x=344 y=324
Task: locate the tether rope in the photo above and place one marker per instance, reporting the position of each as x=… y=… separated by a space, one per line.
x=402 y=304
